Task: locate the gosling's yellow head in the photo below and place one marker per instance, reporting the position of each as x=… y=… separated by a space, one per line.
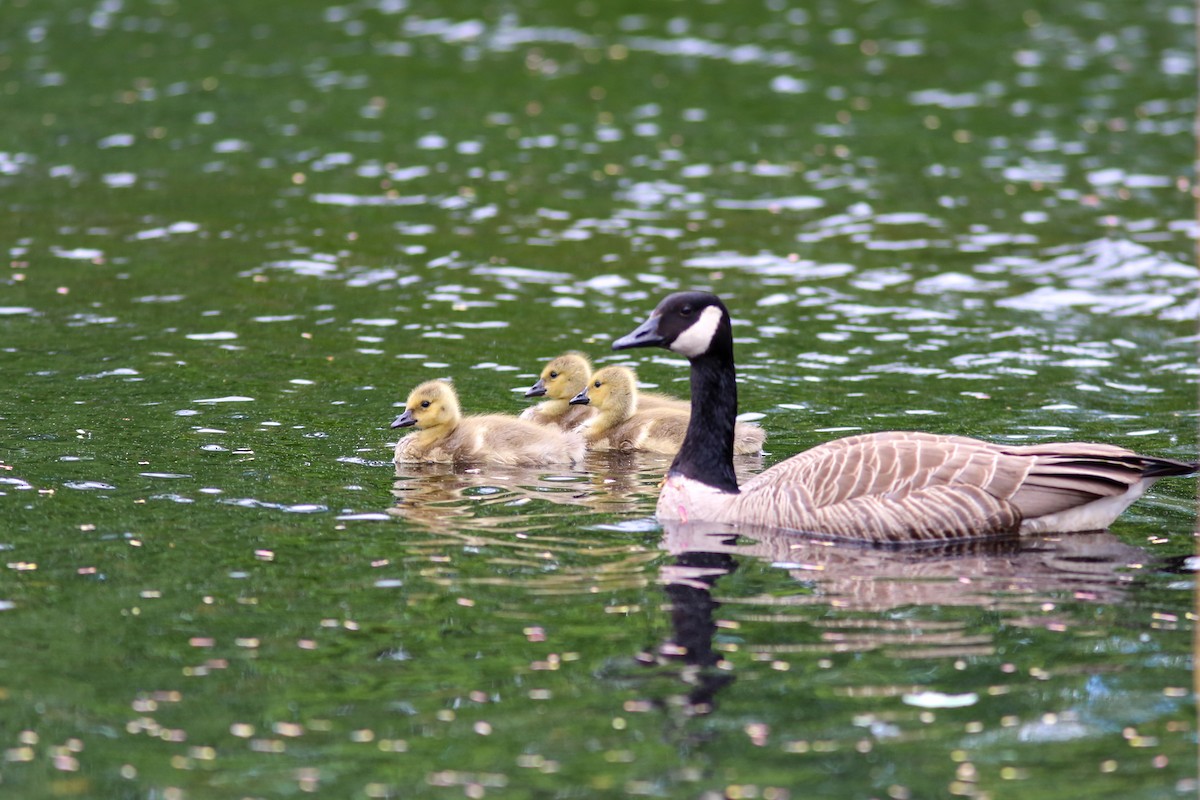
x=610 y=387
x=431 y=404
x=563 y=377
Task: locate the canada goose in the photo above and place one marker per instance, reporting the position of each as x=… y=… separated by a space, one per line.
x=621 y=423
x=893 y=487
x=444 y=435
x=566 y=376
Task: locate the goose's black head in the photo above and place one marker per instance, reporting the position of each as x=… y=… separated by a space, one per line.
x=692 y=324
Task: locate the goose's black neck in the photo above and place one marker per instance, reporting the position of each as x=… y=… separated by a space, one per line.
x=707 y=451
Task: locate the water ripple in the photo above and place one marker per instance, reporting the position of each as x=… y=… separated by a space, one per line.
x=88 y=485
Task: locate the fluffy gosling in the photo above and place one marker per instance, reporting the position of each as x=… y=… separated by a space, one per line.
x=566 y=376
x=623 y=423
x=444 y=435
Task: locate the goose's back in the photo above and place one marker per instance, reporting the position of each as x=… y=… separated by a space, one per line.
x=907 y=486
x=894 y=463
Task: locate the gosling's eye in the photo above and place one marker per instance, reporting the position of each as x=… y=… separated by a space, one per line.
x=424 y=404
x=553 y=374
x=596 y=384
x=685 y=311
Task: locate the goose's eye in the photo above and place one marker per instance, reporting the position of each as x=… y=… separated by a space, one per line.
x=553 y=374
x=596 y=384
x=424 y=404
x=685 y=311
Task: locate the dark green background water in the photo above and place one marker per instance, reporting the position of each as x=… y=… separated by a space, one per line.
x=239 y=233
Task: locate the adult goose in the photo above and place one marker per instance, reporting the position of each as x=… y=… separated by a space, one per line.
x=893 y=487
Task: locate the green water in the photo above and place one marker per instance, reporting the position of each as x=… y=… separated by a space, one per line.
x=239 y=233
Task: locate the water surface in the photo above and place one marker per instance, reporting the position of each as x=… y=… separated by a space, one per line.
x=238 y=235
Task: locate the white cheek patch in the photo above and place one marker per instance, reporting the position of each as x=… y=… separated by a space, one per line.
x=695 y=340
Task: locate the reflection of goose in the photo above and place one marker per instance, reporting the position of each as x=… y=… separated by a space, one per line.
x=692 y=606
x=893 y=487
x=980 y=572
x=444 y=435
x=1018 y=578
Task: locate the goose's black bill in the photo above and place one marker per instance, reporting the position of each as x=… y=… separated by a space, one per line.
x=645 y=335
x=404 y=420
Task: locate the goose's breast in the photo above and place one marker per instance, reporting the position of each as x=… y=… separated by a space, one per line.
x=685 y=499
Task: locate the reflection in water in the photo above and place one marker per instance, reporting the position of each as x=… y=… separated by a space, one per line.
x=446 y=498
x=1022 y=579
x=521 y=517
x=688 y=584
x=401 y=231
x=992 y=574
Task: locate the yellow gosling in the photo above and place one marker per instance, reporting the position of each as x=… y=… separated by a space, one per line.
x=444 y=435
x=623 y=423
x=562 y=378
x=566 y=376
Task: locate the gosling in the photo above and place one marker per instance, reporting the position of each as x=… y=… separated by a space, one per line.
x=566 y=376
x=562 y=378
x=622 y=424
x=443 y=435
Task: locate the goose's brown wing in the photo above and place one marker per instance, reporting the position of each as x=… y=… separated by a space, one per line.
x=892 y=486
x=932 y=514
x=1066 y=475
x=896 y=463
x=911 y=486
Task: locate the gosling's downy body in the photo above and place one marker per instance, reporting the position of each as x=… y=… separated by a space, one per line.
x=623 y=423
x=566 y=376
x=619 y=424
x=444 y=435
x=892 y=487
